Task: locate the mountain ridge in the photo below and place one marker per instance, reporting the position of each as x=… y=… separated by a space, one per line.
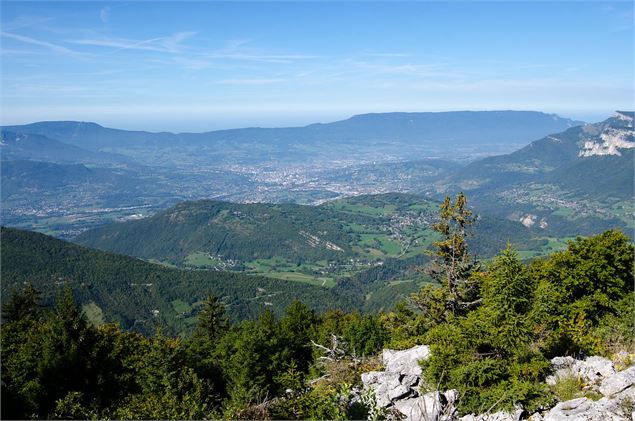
x=466 y=127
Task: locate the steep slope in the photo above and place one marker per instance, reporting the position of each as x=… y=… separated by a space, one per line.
x=580 y=181
x=141 y=295
x=600 y=177
x=577 y=153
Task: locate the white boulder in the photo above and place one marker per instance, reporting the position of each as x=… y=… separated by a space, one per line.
x=405 y=362
x=619 y=382
x=584 y=409
x=591 y=370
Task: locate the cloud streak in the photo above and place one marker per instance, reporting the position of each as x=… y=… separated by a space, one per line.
x=251 y=81
x=170 y=44
x=32 y=41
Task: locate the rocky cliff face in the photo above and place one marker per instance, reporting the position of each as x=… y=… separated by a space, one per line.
x=608 y=139
x=402 y=393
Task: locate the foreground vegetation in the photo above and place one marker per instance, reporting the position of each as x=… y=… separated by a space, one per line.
x=492 y=330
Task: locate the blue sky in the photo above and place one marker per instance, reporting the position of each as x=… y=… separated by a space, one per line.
x=206 y=65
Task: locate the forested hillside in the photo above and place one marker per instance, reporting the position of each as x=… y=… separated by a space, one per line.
x=321 y=245
x=142 y=296
x=494 y=350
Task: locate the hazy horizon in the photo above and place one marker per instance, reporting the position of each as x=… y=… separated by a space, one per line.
x=219 y=65
x=301 y=122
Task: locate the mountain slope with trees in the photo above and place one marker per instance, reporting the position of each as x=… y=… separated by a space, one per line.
x=306 y=365
x=142 y=296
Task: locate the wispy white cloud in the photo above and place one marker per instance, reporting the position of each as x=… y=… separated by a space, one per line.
x=24 y=21
x=28 y=40
x=264 y=58
x=169 y=44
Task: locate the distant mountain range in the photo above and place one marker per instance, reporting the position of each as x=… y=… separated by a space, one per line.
x=574 y=179
x=396 y=134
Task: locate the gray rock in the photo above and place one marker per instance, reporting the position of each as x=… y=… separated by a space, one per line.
x=496 y=416
x=382 y=384
x=595 y=369
x=559 y=363
x=618 y=382
x=583 y=409
x=410 y=380
x=401 y=376
x=592 y=370
x=569 y=410
x=399 y=392
x=405 y=362
x=431 y=406
x=371 y=377
x=536 y=417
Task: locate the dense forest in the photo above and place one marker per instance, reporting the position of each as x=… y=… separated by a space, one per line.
x=491 y=328
x=139 y=295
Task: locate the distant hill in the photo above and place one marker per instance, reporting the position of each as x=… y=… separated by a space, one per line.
x=141 y=295
x=230 y=230
x=370 y=228
x=427 y=134
x=22 y=145
x=18 y=175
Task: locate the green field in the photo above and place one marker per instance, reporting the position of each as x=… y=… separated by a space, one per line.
x=301 y=277
x=363 y=209
x=200 y=259
x=552 y=245
x=159 y=262
x=280 y=268
x=625 y=210
x=181 y=307
x=565 y=212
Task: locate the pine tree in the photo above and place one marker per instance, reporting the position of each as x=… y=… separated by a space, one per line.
x=22 y=305
x=452 y=265
x=212 y=320
x=65 y=349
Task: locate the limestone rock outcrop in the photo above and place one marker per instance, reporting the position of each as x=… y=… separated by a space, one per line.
x=397 y=388
x=398 y=391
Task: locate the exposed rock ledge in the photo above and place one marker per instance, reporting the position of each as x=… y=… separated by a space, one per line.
x=397 y=390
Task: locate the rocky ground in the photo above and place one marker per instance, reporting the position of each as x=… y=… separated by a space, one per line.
x=609 y=390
